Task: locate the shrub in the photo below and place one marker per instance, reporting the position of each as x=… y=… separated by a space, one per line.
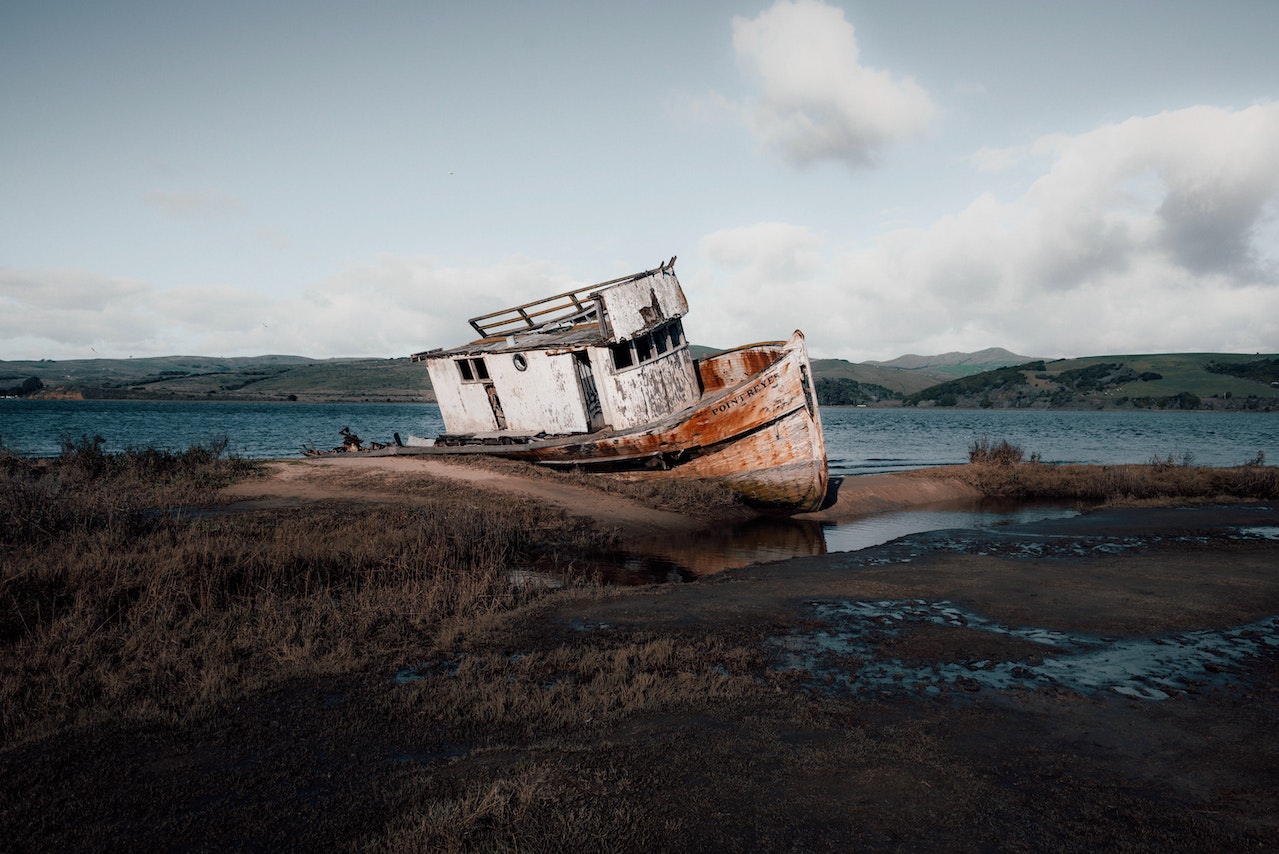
x=86 y=488
x=984 y=451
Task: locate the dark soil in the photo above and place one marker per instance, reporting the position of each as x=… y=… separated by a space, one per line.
x=754 y=752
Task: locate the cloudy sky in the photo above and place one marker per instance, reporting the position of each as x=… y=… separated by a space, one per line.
x=891 y=176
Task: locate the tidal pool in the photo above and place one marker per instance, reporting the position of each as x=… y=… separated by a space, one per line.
x=846 y=656
x=770 y=538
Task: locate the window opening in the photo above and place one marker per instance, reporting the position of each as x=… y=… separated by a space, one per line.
x=644 y=348
x=623 y=356
x=472 y=369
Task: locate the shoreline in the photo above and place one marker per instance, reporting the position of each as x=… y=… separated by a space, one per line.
x=387 y=478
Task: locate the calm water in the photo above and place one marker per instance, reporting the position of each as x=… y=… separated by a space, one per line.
x=254 y=430
x=865 y=441
x=858 y=441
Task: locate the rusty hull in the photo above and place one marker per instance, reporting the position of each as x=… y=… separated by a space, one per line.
x=757 y=430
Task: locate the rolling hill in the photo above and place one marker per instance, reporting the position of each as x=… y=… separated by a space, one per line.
x=1161 y=381
x=1228 y=381
x=950 y=365
x=214 y=378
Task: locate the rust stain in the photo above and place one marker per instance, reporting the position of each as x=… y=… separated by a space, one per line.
x=735 y=366
x=758 y=437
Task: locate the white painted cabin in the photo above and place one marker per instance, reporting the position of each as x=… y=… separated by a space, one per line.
x=608 y=356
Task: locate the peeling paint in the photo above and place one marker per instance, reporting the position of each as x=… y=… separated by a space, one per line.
x=744 y=417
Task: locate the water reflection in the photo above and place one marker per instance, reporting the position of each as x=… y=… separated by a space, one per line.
x=768 y=538
x=969 y=515
x=684 y=558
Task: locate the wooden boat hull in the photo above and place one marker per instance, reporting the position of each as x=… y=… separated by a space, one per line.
x=756 y=429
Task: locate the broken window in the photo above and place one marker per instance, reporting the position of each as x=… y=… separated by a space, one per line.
x=472 y=369
x=623 y=357
x=676 y=328
x=644 y=348
x=664 y=339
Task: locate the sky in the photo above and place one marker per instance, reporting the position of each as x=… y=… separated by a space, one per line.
x=890 y=176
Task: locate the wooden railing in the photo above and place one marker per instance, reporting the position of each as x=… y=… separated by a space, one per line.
x=522 y=318
x=552 y=309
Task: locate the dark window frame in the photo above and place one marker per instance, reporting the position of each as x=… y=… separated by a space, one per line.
x=657 y=343
x=473 y=370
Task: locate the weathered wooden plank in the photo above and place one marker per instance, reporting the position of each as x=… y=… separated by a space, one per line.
x=746 y=417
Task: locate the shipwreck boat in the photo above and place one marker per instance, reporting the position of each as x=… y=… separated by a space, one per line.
x=601 y=379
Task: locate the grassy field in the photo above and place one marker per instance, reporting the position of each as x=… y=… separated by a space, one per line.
x=1180 y=372
x=118 y=602
x=373 y=676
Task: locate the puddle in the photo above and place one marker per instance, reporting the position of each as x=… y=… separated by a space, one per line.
x=970 y=515
x=674 y=558
x=846 y=657
x=769 y=538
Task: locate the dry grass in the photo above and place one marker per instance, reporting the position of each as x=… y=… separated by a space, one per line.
x=531 y=808
x=115 y=602
x=87 y=489
x=985 y=451
x=229 y=676
x=694 y=498
x=554 y=703
x=1154 y=482
x=574 y=687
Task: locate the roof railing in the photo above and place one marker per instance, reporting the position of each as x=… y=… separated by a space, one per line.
x=577 y=304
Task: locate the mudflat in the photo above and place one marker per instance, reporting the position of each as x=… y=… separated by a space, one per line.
x=1108 y=681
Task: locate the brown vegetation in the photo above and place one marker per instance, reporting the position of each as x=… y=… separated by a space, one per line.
x=119 y=600
x=229 y=680
x=997 y=470
x=1003 y=452
x=698 y=499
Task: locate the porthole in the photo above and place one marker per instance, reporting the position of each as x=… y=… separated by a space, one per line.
x=521 y=362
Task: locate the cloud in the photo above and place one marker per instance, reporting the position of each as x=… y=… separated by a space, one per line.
x=63 y=313
x=996 y=159
x=1155 y=234
x=816 y=101
x=751 y=283
x=392 y=306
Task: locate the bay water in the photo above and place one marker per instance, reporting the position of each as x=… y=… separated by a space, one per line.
x=858 y=440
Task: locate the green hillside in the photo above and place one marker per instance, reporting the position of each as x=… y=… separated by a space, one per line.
x=212 y=378
x=946 y=366
x=1228 y=381
x=1177 y=380
x=900 y=380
